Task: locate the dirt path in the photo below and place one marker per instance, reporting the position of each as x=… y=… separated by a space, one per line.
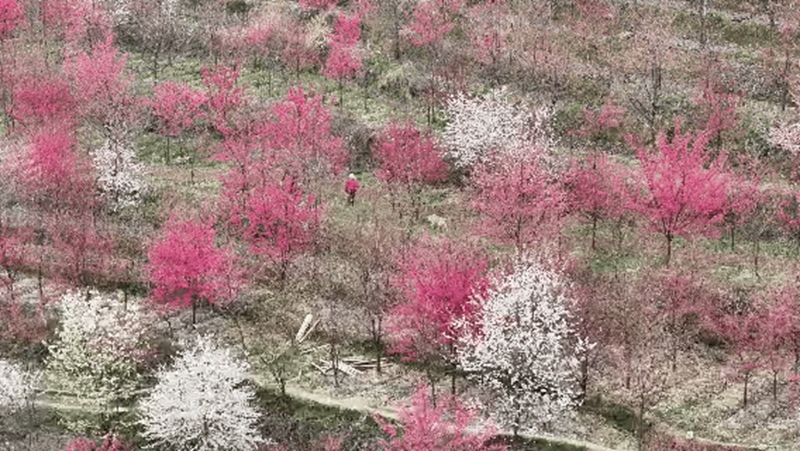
x=366 y=406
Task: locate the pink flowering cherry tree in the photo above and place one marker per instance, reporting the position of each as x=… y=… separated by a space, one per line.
x=409 y=159
x=178 y=109
x=518 y=198
x=438 y=279
x=282 y=221
x=344 y=60
x=686 y=189
x=186 y=267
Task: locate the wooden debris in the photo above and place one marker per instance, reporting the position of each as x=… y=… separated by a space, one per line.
x=350 y=366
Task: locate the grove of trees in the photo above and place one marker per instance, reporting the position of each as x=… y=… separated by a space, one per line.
x=572 y=216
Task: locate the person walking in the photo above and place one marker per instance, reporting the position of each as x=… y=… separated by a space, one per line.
x=350 y=187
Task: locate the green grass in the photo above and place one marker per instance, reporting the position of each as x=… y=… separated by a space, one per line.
x=373 y=104
x=746 y=33
x=608 y=257
x=534 y=444
x=617 y=415
x=604 y=261
x=152 y=148
x=185 y=69
x=688 y=416
x=388 y=93
x=784 y=249
x=330 y=417
x=290 y=420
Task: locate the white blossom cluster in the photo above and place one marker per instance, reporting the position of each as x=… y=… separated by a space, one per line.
x=786 y=137
x=437 y=222
x=106 y=323
x=170 y=9
x=16 y=386
x=92 y=364
x=522 y=350
x=120 y=11
x=119 y=174
x=479 y=125
x=202 y=403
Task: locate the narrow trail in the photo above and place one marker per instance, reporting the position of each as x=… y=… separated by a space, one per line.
x=366 y=406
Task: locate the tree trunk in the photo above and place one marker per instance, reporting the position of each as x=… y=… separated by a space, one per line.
x=584 y=381
x=640 y=429
x=774 y=386
x=433 y=386
x=785 y=82
x=669 y=248
x=517 y=420
x=429 y=112
x=155 y=63
x=796 y=357
x=241 y=334
x=744 y=397
x=376 y=338
x=674 y=352
x=334 y=355
x=755 y=259
x=703 y=10
x=770 y=11
x=396 y=30
x=655 y=96
x=365 y=97
x=416 y=202
x=39 y=278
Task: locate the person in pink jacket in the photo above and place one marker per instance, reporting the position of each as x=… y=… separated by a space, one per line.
x=350 y=187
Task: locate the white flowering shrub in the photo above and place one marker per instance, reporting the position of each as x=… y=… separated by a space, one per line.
x=16 y=386
x=108 y=324
x=92 y=364
x=202 y=403
x=119 y=174
x=786 y=137
x=479 y=125
x=522 y=351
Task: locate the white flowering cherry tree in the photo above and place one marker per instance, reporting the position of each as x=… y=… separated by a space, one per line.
x=17 y=392
x=479 y=126
x=93 y=363
x=119 y=174
x=17 y=386
x=522 y=350
x=202 y=403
